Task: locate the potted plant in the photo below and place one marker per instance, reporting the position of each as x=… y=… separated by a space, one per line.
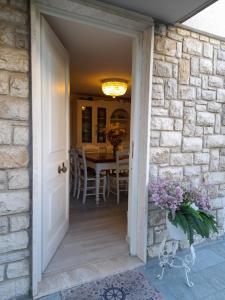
x=115 y=134
x=188 y=210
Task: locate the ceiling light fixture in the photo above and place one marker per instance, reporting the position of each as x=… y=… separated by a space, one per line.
x=114 y=87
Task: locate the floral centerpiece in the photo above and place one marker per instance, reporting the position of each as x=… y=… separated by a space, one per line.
x=187 y=208
x=115 y=134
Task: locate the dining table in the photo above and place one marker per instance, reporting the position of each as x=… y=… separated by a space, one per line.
x=99 y=162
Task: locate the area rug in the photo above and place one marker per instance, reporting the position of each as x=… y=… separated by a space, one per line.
x=130 y=285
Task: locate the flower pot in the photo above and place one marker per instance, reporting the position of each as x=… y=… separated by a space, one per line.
x=175 y=232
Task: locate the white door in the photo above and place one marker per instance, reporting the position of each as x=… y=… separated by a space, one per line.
x=55 y=139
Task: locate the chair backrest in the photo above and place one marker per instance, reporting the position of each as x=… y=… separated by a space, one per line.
x=82 y=162
x=122 y=161
x=73 y=161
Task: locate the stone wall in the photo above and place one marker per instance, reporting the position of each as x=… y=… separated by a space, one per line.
x=188 y=123
x=14 y=151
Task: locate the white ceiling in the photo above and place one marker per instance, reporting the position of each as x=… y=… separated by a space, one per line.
x=94 y=53
x=169 y=11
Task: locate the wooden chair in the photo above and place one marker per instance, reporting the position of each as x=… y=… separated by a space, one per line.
x=74 y=172
x=87 y=179
x=120 y=178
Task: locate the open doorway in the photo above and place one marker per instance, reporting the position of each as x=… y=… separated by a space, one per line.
x=97 y=223
x=140 y=30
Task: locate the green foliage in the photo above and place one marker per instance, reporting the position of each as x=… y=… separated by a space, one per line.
x=194 y=221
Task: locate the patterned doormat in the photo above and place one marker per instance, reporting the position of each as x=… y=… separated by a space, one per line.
x=130 y=285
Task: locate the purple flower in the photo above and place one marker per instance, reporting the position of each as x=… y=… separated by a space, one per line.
x=169 y=195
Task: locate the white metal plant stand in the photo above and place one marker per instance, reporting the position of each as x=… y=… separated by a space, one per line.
x=171 y=259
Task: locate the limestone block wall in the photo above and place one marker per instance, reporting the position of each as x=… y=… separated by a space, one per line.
x=14 y=149
x=188 y=121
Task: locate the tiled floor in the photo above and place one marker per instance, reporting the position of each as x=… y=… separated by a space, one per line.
x=208 y=276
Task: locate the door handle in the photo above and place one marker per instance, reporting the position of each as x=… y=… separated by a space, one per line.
x=62 y=169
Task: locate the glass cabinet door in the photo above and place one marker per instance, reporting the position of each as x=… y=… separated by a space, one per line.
x=86 y=124
x=101 y=123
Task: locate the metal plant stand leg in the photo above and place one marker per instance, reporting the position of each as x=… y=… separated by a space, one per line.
x=172 y=260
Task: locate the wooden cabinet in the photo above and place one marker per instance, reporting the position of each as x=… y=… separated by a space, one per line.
x=93 y=116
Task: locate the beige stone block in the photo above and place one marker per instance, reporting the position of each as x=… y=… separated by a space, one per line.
x=21 y=135
x=158 y=111
x=159 y=155
x=201 y=158
x=5 y=132
x=195 y=66
x=176 y=109
x=187 y=92
x=170 y=139
x=184 y=71
x=205 y=118
x=18 y=269
x=208 y=95
x=11 y=15
x=14 y=108
x=20 y=4
x=11 y=289
x=221 y=95
x=4 y=83
x=162 y=123
x=207 y=50
x=171 y=173
x=215 y=81
x=171 y=88
x=221 y=55
x=13 y=241
x=165 y=45
x=14 y=202
x=162 y=69
x=214 y=107
x=196 y=81
x=4 y=225
x=19 y=221
x=192 y=170
x=192 y=144
x=220 y=67
x=18 y=179
x=3 y=179
x=178 y=124
x=13 y=156
x=22 y=41
x=2 y=272
x=192 y=46
x=181 y=159
x=183 y=32
x=216 y=178
x=14 y=59
x=214 y=160
x=14 y=256
x=205 y=66
x=19 y=86
x=7 y=35
x=216 y=141
x=157 y=92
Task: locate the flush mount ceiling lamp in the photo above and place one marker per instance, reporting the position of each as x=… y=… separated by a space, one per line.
x=114 y=87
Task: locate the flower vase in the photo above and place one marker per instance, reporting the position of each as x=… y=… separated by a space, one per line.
x=175 y=232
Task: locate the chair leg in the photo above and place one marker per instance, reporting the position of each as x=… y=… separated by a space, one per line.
x=118 y=191
x=75 y=186
x=104 y=189
x=78 y=189
x=108 y=184
x=84 y=192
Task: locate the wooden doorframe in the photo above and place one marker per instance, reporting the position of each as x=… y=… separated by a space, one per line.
x=141 y=29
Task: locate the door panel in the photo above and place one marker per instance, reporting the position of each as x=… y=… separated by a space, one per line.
x=55 y=139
